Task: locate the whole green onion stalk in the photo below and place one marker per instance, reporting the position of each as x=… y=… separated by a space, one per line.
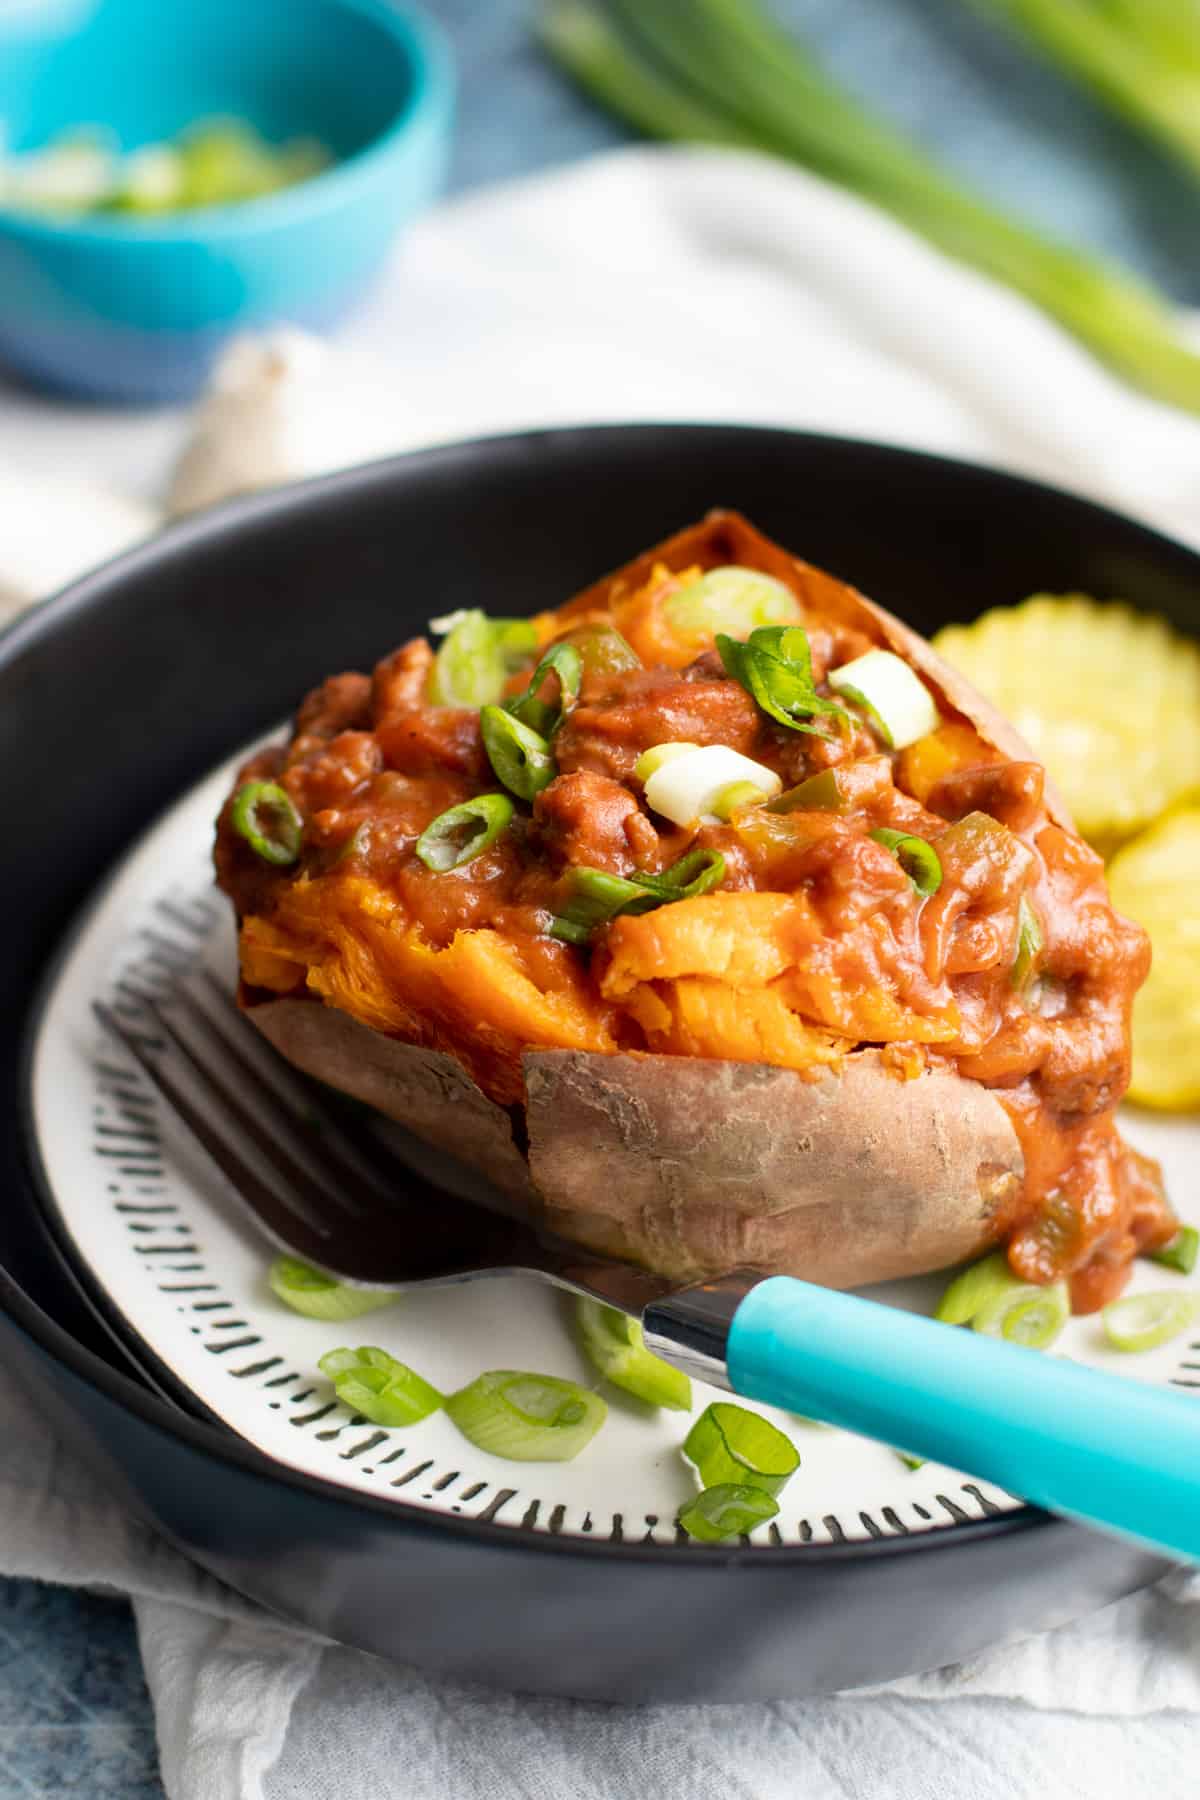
x=721 y=72
x=1141 y=57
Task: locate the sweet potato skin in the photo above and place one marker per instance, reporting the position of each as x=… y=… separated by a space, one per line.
x=693 y=1167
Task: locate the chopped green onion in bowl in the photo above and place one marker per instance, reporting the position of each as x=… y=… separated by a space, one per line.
x=525 y=1417
x=895 y=699
x=564 y=663
x=319 y=1296
x=215 y=162
x=615 y=1344
x=383 y=1390
x=729 y=1509
x=520 y=757
x=731 y=1444
x=1144 y=1321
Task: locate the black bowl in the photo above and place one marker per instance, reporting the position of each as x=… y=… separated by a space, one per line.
x=117 y=695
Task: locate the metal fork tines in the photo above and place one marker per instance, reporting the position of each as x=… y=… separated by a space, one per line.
x=334 y=1199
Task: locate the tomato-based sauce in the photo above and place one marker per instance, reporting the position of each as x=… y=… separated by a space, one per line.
x=815 y=943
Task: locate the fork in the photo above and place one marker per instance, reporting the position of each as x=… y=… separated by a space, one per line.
x=1116 y=1454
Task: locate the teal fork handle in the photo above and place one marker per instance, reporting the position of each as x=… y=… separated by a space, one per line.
x=1119 y=1454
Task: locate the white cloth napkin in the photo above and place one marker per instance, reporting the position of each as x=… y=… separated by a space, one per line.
x=655 y=284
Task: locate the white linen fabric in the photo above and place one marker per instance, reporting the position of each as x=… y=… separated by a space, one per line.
x=656 y=284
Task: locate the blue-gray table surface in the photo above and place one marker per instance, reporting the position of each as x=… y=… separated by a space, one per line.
x=74 y=1713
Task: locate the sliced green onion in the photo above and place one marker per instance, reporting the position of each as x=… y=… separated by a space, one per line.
x=383 y=1390
x=527 y=1418
x=477 y=657
x=603 y=649
x=731 y=1509
x=1030 y=940
x=687 y=787
x=973 y=1288
x=617 y=1347
x=774 y=665
x=595 y=898
x=1180 y=1252
x=319 y=1296
x=731 y=599
x=462 y=833
x=1144 y=1321
x=263 y=814
x=731 y=1444
x=565 y=663
x=734 y=797
x=896 y=700
x=1024 y=1314
x=650 y=761
x=910 y=1461
x=519 y=757
x=918 y=859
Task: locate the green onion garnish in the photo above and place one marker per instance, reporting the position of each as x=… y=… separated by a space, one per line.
x=462 y=833
x=918 y=859
x=731 y=1444
x=822 y=792
x=477 y=656
x=1144 y=1321
x=732 y=599
x=1024 y=1314
x=319 y=1296
x=650 y=761
x=721 y=71
x=1030 y=940
x=910 y=1461
x=565 y=663
x=519 y=756
x=263 y=813
x=615 y=1344
x=731 y=1509
x=595 y=898
x=774 y=665
x=603 y=649
x=527 y=1418
x=734 y=796
x=383 y=1390
x=973 y=1288
x=1180 y=1252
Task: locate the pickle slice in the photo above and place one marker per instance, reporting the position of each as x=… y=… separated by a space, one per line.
x=1156 y=880
x=1107 y=698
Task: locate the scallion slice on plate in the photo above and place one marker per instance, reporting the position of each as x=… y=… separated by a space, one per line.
x=1144 y=1321
x=685 y=788
x=730 y=1509
x=563 y=664
x=1180 y=1252
x=731 y=599
x=525 y=1417
x=730 y=1444
x=615 y=1344
x=319 y=1296
x=520 y=756
x=1025 y=1314
x=383 y=1390
x=973 y=1288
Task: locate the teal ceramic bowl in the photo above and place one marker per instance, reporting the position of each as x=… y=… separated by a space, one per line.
x=132 y=310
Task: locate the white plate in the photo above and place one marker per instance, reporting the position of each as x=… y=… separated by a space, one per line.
x=154 y=1225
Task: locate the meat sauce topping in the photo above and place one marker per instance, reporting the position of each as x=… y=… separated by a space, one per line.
x=816 y=940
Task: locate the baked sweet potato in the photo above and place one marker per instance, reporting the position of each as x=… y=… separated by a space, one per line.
x=860 y=1028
